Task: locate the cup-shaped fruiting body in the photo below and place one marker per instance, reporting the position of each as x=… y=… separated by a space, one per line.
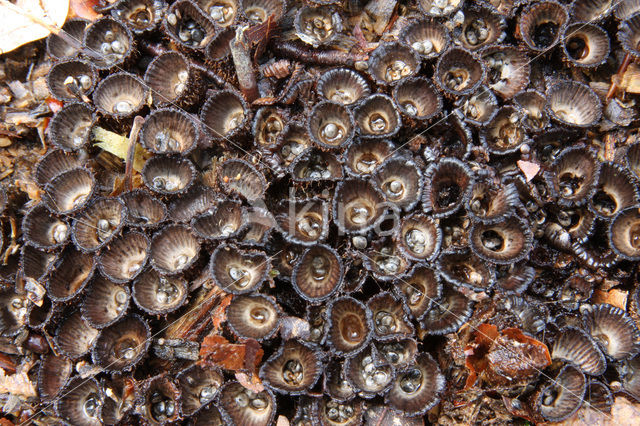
x=140 y=16
x=369 y=373
x=122 y=345
x=504 y=242
x=573 y=176
x=161 y=403
x=43 y=230
x=35 y=264
x=173 y=249
x=197 y=200
x=504 y=134
x=293 y=369
x=427 y=37
x=624 y=233
x=125 y=257
x=71 y=80
x=168 y=175
x=268 y=124
x=60 y=48
x=172 y=80
x=198 y=387
x=13 y=312
x=363 y=156
x=74 y=336
x=293 y=140
x=416 y=389
x=531 y=103
x=632 y=159
x=158 y=294
x=318 y=274
x=331 y=412
x=459 y=72
x=316 y=165
x=349 y=326
x=53 y=374
x=237 y=176
x=317 y=26
x=188 y=26
x=392 y=62
x=143 y=209
x=515 y=278
x=615 y=191
x=418 y=237
x=418 y=290
x=629 y=34
x=99 y=223
x=592 y=10
x=70 y=128
x=400 y=181
x=223 y=12
x=226 y=221
x=358 y=206
x=575 y=291
x=468 y=269
x=109 y=43
x=330 y=125
x=384 y=261
x=239 y=271
x=440 y=8
x=253 y=316
x=54 y=163
x=70 y=275
x=390 y=321
x=541 y=24
x=316 y=316
x=258 y=11
x=416 y=98
x=575 y=346
x=613 y=330
x=481 y=27
x=209 y=416
x=573 y=104
x=259 y=225
x=105 y=302
x=598 y=396
x=446 y=183
x=489 y=203
x=377 y=117
x=121 y=95
x=41 y=316
x=224 y=114
x=447 y=315
x=169 y=131
x=241 y=406
x=304 y=221
x=507 y=70
x=585 y=45
x=562 y=397
x=81 y=402
x=343 y=85
x=625 y=8
x=335 y=385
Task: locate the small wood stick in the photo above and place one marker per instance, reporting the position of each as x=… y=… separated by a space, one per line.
x=131 y=152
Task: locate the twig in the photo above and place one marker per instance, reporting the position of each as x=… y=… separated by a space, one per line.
x=131 y=152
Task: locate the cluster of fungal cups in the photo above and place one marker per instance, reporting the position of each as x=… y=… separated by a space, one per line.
x=365 y=194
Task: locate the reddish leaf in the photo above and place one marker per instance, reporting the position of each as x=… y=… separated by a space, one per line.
x=220 y=313
x=253 y=382
x=529 y=169
x=54 y=104
x=218 y=351
x=84 y=9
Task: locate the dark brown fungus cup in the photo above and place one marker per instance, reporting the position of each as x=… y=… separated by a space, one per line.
x=577 y=289
x=143 y=209
x=209 y=416
x=60 y=48
x=624 y=233
x=53 y=374
x=54 y=163
x=446 y=183
x=489 y=203
x=292 y=142
x=541 y=24
x=173 y=249
x=507 y=69
x=390 y=321
x=335 y=385
x=514 y=278
x=331 y=125
x=236 y=176
x=598 y=396
x=505 y=133
x=173 y=80
x=349 y=326
x=71 y=80
x=629 y=376
x=239 y=271
x=625 y=8
x=384 y=261
x=532 y=316
x=392 y=62
x=35 y=264
x=198 y=387
x=43 y=230
x=502 y=243
x=316 y=316
x=188 y=26
x=157 y=294
x=573 y=104
x=105 y=302
x=169 y=131
x=70 y=274
x=226 y=221
x=317 y=26
x=531 y=103
x=304 y=221
x=615 y=191
x=197 y=200
x=259 y=225
x=416 y=389
x=369 y=373
x=613 y=330
x=377 y=117
x=315 y=165
x=480 y=107
x=592 y=10
x=629 y=34
x=168 y=175
x=459 y=72
x=418 y=237
x=418 y=290
x=400 y=180
x=224 y=115
x=447 y=314
x=358 y=205
x=416 y=98
x=481 y=27
x=74 y=336
x=241 y=406
x=427 y=37
x=109 y=43
x=318 y=274
x=258 y=11
x=440 y=8
x=122 y=345
x=331 y=412
x=140 y=16
x=343 y=85
x=362 y=157
x=585 y=45
x=293 y=369
x=161 y=404
x=268 y=124
x=125 y=257
x=254 y=316
x=223 y=12
x=466 y=269
x=573 y=176
x=563 y=396
x=121 y=95
x=70 y=128
x=574 y=345
x=14 y=309
x=81 y=402
x=99 y=223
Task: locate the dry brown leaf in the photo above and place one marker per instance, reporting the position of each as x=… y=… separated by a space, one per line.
x=218 y=351
x=253 y=382
x=613 y=297
x=529 y=169
x=84 y=9
x=29 y=20
x=220 y=313
x=630 y=80
x=17 y=384
x=623 y=413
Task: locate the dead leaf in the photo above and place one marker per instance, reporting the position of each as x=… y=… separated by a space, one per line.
x=623 y=413
x=282 y=421
x=529 y=169
x=29 y=20
x=613 y=297
x=219 y=315
x=294 y=327
x=84 y=9
x=218 y=351
x=630 y=81
x=118 y=145
x=253 y=382
x=17 y=384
